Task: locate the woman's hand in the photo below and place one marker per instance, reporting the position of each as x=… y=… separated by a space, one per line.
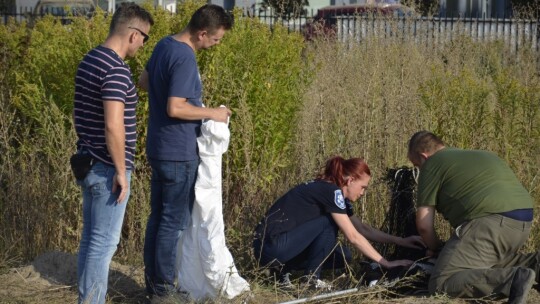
x=413 y=241
x=396 y=263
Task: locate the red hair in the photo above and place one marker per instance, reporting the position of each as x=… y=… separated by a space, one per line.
x=337 y=170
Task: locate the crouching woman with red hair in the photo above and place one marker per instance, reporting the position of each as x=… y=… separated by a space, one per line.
x=299 y=231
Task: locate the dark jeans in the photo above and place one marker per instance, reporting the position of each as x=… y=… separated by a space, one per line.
x=172 y=197
x=310 y=247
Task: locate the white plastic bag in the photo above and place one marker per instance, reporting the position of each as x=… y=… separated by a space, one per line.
x=206 y=268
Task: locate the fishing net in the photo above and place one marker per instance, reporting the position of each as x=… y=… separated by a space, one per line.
x=400 y=221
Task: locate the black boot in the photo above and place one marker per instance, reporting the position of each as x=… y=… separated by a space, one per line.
x=521 y=285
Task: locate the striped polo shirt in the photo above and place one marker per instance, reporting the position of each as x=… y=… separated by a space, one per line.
x=103 y=75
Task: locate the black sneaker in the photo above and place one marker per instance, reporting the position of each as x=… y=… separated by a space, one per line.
x=521 y=285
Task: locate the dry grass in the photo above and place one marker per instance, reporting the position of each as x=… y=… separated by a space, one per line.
x=365 y=100
x=368 y=99
x=26 y=285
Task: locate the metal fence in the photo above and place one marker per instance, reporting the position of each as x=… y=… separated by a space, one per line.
x=19 y=14
x=290 y=22
x=515 y=33
x=432 y=31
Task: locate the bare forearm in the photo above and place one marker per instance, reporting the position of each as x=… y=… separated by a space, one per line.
x=189 y=112
x=115 y=138
x=382 y=237
x=430 y=238
x=425 y=219
x=373 y=234
x=363 y=245
x=350 y=227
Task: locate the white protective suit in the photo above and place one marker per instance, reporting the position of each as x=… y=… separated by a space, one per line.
x=206 y=268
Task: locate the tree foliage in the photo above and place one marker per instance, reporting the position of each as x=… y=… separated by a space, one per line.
x=526 y=8
x=424 y=7
x=286 y=9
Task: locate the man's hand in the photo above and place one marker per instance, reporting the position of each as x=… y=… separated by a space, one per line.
x=221 y=114
x=435 y=253
x=120 y=184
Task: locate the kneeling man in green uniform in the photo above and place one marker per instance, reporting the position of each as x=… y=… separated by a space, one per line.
x=491 y=213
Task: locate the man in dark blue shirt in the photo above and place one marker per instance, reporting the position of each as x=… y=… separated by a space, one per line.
x=176 y=113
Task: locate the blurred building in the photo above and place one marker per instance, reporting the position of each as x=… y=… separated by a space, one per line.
x=111 y=5
x=20 y=7
x=447 y=8
x=255 y=6
x=476 y=8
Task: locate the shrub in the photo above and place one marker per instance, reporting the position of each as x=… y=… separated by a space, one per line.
x=256 y=72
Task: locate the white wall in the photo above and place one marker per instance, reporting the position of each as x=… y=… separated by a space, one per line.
x=256 y=4
x=317 y=4
x=25 y=5
x=111 y=5
x=314 y=5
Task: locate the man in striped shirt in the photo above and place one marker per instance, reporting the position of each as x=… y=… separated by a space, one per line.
x=104 y=115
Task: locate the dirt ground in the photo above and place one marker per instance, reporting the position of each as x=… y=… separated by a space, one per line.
x=51 y=278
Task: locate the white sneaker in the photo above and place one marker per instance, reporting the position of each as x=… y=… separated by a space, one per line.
x=321 y=285
x=317 y=284
x=285 y=282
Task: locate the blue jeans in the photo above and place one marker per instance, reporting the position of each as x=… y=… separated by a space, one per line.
x=310 y=246
x=171 y=199
x=102 y=224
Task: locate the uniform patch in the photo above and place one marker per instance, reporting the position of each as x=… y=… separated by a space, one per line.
x=339 y=200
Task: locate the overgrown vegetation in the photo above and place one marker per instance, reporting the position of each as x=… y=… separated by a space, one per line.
x=294 y=105
x=256 y=72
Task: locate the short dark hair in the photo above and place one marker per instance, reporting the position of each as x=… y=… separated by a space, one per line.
x=423 y=142
x=127 y=12
x=211 y=18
